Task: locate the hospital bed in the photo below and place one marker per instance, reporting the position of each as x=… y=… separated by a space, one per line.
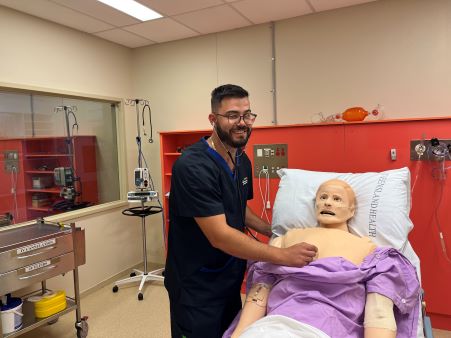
x=382 y=212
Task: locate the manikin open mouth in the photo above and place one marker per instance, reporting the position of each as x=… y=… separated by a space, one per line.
x=327 y=212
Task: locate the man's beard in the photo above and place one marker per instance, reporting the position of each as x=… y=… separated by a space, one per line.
x=227 y=137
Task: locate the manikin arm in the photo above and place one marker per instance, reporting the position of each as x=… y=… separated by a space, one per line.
x=379 y=317
x=254 y=307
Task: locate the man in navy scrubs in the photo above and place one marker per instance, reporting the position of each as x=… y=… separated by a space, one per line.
x=207 y=247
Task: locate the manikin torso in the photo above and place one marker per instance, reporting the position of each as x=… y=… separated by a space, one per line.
x=330 y=243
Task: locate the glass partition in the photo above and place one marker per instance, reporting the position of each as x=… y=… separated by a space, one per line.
x=57 y=154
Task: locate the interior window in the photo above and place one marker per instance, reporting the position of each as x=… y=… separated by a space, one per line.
x=57 y=154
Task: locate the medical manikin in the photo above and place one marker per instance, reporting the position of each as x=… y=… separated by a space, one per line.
x=335 y=205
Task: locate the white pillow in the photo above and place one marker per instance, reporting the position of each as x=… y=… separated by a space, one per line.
x=383 y=203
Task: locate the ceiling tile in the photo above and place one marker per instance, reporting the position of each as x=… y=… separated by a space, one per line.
x=59 y=14
x=161 y=30
x=100 y=11
x=325 y=5
x=174 y=7
x=259 y=11
x=124 y=38
x=215 y=19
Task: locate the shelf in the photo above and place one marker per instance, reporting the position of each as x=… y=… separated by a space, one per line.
x=47 y=190
x=172 y=154
x=46 y=155
x=41 y=209
x=30 y=322
x=46 y=172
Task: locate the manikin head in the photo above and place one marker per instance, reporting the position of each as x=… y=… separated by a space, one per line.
x=231 y=115
x=335 y=204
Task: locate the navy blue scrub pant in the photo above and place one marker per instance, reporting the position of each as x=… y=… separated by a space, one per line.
x=203 y=321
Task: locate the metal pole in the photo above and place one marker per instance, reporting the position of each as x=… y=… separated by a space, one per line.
x=33 y=133
x=76 y=281
x=138 y=138
x=143 y=223
x=273 y=64
x=69 y=138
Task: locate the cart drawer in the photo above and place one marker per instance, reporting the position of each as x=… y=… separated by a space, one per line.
x=36 y=272
x=35 y=252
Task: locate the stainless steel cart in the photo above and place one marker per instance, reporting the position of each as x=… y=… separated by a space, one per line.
x=34 y=253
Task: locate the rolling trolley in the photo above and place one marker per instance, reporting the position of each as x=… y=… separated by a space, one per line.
x=34 y=253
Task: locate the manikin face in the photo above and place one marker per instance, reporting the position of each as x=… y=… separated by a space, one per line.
x=334 y=204
x=237 y=134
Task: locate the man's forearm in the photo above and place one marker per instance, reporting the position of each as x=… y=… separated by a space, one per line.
x=235 y=243
x=256 y=223
x=240 y=245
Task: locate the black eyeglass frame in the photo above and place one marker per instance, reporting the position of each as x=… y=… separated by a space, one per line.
x=247 y=115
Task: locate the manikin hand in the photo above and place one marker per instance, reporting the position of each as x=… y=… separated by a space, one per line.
x=299 y=255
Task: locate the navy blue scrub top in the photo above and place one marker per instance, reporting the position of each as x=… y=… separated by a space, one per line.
x=203 y=185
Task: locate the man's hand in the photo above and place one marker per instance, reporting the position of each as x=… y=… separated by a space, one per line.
x=298 y=255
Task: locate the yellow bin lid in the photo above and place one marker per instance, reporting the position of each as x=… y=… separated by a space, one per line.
x=50 y=305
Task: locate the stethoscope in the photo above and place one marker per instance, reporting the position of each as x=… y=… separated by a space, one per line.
x=236 y=164
x=237 y=180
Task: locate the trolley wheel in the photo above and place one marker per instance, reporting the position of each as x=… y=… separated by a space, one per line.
x=133 y=274
x=140 y=296
x=82 y=328
x=115 y=288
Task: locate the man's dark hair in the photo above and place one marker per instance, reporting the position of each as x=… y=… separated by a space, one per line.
x=229 y=90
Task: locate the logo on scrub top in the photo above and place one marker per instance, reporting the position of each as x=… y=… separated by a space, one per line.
x=244 y=181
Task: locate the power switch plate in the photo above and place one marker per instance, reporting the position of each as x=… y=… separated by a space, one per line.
x=271 y=157
x=393 y=154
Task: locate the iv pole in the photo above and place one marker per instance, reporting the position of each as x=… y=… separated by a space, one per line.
x=71 y=193
x=142 y=212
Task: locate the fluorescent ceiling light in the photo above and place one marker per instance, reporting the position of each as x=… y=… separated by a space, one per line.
x=133 y=8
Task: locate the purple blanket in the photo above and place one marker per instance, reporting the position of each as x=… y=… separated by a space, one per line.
x=330 y=293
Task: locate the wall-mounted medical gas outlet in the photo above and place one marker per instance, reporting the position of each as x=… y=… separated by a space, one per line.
x=11 y=160
x=430 y=150
x=270 y=157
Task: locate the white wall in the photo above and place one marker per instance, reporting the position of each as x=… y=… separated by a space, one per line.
x=41 y=54
x=392 y=52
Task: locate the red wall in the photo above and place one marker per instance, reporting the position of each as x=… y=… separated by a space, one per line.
x=362 y=147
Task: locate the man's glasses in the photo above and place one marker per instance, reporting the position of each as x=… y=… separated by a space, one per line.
x=235 y=118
